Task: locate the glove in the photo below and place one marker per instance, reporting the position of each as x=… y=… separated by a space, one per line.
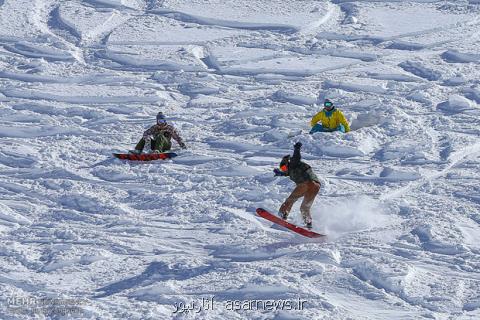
x=278 y=172
x=183 y=145
x=148 y=142
x=298 y=145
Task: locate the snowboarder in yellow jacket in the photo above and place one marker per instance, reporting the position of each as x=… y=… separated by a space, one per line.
x=329 y=119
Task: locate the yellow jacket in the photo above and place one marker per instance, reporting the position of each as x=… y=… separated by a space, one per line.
x=330 y=119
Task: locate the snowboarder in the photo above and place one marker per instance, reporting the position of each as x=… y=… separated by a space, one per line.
x=307 y=182
x=159 y=137
x=329 y=119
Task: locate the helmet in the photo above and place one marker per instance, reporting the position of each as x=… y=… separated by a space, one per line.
x=161 y=118
x=284 y=163
x=328 y=104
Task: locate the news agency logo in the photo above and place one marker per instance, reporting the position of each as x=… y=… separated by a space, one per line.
x=50 y=307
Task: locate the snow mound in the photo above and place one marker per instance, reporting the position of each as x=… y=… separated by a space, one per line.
x=457 y=57
x=40 y=51
x=144 y=30
x=456 y=104
x=9 y=215
x=258 y=15
x=155 y=58
x=289 y=66
x=420 y=70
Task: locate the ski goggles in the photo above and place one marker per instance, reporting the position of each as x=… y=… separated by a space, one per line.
x=161 y=121
x=328 y=104
x=283 y=168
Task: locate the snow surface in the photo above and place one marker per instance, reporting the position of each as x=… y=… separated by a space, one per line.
x=400 y=196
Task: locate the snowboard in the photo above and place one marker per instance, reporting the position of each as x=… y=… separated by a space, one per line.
x=145 y=156
x=273 y=218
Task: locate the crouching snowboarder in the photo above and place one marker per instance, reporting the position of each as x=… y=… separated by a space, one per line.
x=158 y=137
x=329 y=119
x=307 y=182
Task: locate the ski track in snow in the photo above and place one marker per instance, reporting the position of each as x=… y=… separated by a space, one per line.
x=400 y=199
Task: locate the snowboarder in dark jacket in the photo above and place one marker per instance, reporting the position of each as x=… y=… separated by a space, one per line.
x=159 y=136
x=307 y=184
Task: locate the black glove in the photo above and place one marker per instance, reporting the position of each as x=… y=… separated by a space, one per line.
x=298 y=145
x=278 y=172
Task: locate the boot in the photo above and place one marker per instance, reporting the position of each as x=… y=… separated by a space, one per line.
x=308 y=221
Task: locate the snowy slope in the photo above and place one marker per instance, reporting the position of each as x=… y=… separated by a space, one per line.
x=400 y=197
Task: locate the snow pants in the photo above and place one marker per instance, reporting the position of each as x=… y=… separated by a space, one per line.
x=308 y=190
x=159 y=142
x=320 y=128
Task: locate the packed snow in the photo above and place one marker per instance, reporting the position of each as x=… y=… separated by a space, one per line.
x=87 y=236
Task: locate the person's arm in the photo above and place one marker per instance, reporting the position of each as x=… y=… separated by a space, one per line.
x=278 y=172
x=177 y=138
x=150 y=131
x=343 y=121
x=295 y=159
x=315 y=119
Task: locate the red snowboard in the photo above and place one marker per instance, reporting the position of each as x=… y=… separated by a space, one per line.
x=145 y=156
x=273 y=218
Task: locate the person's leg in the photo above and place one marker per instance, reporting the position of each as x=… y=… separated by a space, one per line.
x=167 y=146
x=310 y=194
x=317 y=128
x=161 y=144
x=140 y=145
x=297 y=193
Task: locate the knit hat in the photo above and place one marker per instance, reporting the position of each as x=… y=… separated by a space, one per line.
x=161 y=118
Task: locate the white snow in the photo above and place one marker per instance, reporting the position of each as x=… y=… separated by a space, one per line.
x=88 y=23
x=255 y=14
x=456 y=104
x=400 y=198
x=145 y=30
